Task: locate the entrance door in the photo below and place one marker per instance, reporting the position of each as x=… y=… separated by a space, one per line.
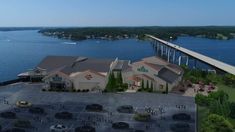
x=58 y=86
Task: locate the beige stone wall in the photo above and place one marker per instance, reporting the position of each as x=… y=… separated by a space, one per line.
x=159 y=84
x=88 y=80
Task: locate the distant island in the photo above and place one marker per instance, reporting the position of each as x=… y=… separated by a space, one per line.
x=116 y=33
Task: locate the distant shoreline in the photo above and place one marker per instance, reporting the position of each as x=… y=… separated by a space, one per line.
x=117 y=33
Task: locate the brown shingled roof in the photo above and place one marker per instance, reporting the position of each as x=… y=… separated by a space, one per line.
x=154 y=66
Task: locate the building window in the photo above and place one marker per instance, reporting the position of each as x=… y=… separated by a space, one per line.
x=57 y=78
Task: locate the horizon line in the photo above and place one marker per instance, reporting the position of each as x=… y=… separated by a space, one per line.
x=111 y=26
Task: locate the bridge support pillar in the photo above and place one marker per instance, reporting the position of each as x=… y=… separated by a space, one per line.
x=187 y=59
x=168 y=55
x=158 y=49
x=179 y=61
x=173 y=56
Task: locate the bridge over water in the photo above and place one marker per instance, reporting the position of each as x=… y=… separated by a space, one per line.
x=169 y=50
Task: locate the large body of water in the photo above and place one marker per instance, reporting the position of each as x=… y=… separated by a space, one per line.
x=22 y=50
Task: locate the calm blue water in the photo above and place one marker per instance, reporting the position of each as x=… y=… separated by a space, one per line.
x=223 y=50
x=22 y=50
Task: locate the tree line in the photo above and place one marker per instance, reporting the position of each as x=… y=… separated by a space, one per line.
x=166 y=33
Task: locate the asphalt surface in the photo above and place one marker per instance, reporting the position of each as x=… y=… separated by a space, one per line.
x=160 y=106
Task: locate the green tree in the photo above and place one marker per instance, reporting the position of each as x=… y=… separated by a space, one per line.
x=142 y=84
x=216 y=123
x=220 y=108
x=151 y=87
x=232 y=108
x=229 y=79
x=147 y=85
x=218 y=95
x=167 y=88
x=111 y=82
x=119 y=79
x=202 y=100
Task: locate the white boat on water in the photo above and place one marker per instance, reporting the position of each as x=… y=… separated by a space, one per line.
x=71 y=43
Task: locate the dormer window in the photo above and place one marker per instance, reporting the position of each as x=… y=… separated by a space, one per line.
x=142 y=69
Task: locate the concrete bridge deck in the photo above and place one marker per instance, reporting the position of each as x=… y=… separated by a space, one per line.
x=213 y=62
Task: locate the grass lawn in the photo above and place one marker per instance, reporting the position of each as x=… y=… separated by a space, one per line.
x=229 y=90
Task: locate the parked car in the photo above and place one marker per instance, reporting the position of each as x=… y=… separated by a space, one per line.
x=59 y=128
x=23 y=104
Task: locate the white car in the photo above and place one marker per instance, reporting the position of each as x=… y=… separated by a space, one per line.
x=59 y=128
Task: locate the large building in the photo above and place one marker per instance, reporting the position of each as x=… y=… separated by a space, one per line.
x=153 y=72
x=90 y=74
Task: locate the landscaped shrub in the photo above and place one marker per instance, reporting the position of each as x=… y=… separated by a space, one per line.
x=44 y=90
x=50 y=90
x=73 y=90
x=84 y=90
x=143 y=117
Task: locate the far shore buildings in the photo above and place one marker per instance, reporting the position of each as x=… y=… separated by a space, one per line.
x=91 y=74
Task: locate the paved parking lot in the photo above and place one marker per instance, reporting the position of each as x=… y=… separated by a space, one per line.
x=162 y=108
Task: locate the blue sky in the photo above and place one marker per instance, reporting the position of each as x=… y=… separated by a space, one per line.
x=20 y=13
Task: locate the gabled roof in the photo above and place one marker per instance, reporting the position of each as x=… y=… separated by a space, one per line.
x=97 y=73
x=168 y=75
x=175 y=68
x=155 y=60
x=98 y=65
x=153 y=66
x=54 y=62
